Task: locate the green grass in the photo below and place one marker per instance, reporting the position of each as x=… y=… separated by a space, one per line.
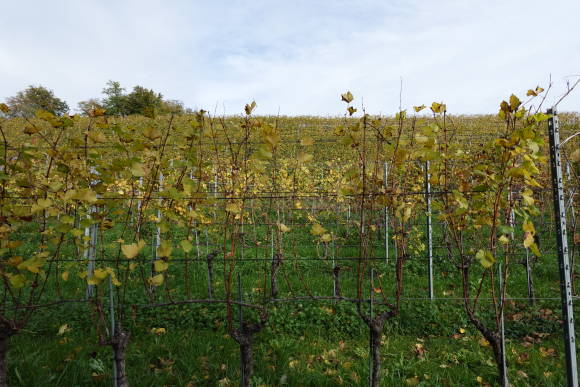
x=321 y=345
x=305 y=343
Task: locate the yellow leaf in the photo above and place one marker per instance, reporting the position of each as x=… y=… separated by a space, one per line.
x=44 y=203
x=504 y=240
x=307 y=141
x=156 y=280
x=152 y=133
x=14 y=261
x=483 y=342
x=283 y=227
x=114 y=279
x=326 y=238
x=132 y=250
x=347 y=97
x=233 y=208
x=17 y=281
x=164 y=250
x=412 y=381
x=32 y=265
x=304 y=157
x=438 y=107
x=250 y=107
x=186 y=245
x=158 y=331
x=317 y=229
x=97 y=136
x=63 y=329
x=137 y=169
x=160 y=265
x=421 y=139
x=273 y=139
x=485 y=258
x=86 y=195
x=528 y=226
x=528 y=240
x=98 y=276
x=65 y=275
x=535 y=250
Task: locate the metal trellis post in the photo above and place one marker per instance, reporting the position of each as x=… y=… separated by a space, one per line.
x=563 y=259
x=370 y=328
x=112 y=316
x=386 y=176
x=429 y=229
x=241 y=318
x=504 y=376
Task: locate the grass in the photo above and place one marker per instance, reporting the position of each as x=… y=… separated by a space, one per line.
x=305 y=343
x=322 y=345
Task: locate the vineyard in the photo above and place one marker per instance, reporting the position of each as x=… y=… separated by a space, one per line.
x=418 y=249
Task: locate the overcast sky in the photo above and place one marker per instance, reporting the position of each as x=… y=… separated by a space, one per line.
x=294 y=57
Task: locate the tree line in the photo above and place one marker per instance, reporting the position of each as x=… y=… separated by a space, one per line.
x=116 y=101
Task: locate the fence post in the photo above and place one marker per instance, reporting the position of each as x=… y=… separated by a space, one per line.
x=91 y=233
x=91 y=251
x=504 y=376
x=241 y=318
x=386 y=176
x=429 y=229
x=334 y=272
x=562 y=240
x=531 y=296
x=370 y=327
x=112 y=316
x=155 y=246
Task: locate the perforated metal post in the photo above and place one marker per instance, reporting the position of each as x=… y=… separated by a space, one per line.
x=372 y=279
x=334 y=273
x=91 y=251
x=157 y=242
x=562 y=241
x=504 y=376
x=386 y=176
x=429 y=229
x=112 y=316
x=241 y=318
x=91 y=234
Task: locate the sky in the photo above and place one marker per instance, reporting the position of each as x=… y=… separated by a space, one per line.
x=295 y=57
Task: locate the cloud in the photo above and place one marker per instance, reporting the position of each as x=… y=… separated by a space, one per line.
x=294 y=57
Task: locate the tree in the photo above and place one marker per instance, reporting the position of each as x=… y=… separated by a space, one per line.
x=25 y=103
x=143 y=101
x=139 y=101
x=89 y=105
x=172 y=106
x=116 y=101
